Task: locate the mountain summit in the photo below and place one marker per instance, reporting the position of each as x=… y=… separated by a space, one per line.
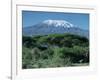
x=54 y=26
x=58 y=23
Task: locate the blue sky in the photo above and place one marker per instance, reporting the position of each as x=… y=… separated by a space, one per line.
x=30 y=18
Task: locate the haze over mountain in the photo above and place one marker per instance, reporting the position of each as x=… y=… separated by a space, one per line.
x=54 y=26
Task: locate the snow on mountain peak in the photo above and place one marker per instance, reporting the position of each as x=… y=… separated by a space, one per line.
x=58 y=23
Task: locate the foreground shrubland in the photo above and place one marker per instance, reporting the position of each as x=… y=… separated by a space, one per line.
x=54 y=50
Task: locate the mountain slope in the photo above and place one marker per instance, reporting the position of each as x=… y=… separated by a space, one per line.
x=54 y=26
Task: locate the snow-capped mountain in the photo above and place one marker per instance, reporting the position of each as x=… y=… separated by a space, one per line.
x=54 y=26
x=58 y=23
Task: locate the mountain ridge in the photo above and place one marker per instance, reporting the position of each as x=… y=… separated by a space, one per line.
x=54 y=26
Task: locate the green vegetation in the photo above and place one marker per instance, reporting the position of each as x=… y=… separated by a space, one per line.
x=54 y=50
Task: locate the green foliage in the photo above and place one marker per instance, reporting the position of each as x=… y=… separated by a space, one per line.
x=26 y=57
x=54 y=50
x=28 y=42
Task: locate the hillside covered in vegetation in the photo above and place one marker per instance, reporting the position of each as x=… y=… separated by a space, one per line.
x=54 y=50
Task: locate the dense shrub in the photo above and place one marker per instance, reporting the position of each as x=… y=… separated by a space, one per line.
x=54 y=50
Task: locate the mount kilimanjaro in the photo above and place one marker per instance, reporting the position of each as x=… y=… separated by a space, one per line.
x=54 y=26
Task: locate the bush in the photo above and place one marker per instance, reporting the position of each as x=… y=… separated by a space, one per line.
x=54 y=50
x=26 y=57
